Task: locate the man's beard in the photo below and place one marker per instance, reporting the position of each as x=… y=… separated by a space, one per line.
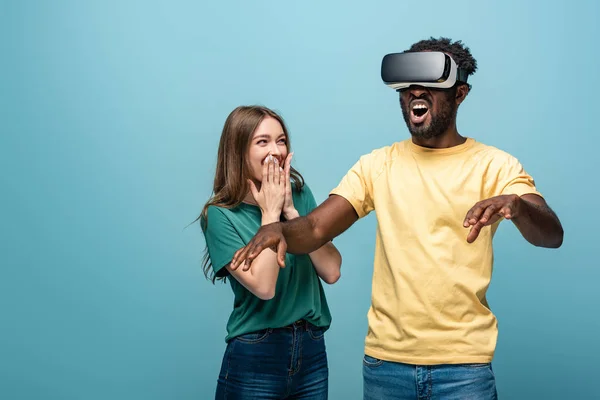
x=440 y=121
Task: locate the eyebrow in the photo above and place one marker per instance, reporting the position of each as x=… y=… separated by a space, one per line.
x=265 y=136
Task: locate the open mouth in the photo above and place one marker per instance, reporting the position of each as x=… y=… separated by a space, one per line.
x=418 y=111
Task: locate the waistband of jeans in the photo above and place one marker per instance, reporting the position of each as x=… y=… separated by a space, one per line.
x=300 y=324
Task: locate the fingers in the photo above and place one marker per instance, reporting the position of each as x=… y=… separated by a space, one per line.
x=481 y=216
x=281 y=250
x=276 y=171
x=474 y=232
x=247 y=265
x=506 y=212
x=271 y=169
x=243 y=256
x=252 y=250
x=237 y=257
x=488 y=212
x=288 y=168
x=474 y=214
x=251 y=255
x=487 y=215
x=288 y=165
x=265 y=171
x=246 y=255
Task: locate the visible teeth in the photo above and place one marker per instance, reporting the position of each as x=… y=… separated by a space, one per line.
x=419 y=107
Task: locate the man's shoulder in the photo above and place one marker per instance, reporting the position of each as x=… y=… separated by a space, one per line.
x=386 y=153
x=492 y=153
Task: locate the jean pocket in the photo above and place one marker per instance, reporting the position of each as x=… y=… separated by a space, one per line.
x=372 y=362
x=316 y=333
x=254 y=337
x=479 y=369
x=476 y=365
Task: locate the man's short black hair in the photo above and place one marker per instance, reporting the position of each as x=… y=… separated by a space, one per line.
x=457 y=50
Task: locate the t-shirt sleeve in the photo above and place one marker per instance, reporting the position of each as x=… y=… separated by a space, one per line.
x=222 y=240
x=515 y=180
x=357 y=187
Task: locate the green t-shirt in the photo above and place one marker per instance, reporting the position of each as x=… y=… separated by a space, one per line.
x=298 y=294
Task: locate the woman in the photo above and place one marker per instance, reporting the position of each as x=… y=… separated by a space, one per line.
x=275 y=334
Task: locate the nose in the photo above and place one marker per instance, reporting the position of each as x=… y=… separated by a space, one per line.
x=417 y=91
x=274 y=150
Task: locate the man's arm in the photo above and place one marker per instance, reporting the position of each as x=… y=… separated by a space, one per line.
x=538 y=223
x=301 y=235
x=326 y=260
x=330 y=219
x=530 y=213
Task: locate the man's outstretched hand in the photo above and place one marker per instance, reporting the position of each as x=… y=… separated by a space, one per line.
x=489 y=211
x=268 y=236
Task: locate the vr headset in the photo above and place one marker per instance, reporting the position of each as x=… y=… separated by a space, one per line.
x=432 y=69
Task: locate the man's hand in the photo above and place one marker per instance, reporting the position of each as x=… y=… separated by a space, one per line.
x=489 y=211
x=268 y=236
x=303 y=235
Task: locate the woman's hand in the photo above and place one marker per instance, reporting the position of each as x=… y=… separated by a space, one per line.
x=289 y=211
x=271 y=196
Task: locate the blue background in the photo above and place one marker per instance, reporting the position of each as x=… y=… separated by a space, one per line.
x=110 y=115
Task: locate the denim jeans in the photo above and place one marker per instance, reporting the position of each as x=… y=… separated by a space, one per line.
x=385 y=380
x=283 y=363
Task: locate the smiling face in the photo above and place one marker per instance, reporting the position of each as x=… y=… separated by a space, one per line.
x=428 y=113
x=269 y=138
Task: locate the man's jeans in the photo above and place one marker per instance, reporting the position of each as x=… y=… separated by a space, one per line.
x=384 y=380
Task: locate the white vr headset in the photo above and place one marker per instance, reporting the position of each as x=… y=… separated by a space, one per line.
x=432 y=69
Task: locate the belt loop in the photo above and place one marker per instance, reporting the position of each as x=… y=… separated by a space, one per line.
x=301 y=323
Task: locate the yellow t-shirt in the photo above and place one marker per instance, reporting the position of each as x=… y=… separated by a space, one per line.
x=428 y=302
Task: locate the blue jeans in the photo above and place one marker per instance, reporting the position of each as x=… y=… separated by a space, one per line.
x=283 y=363
x=385 y=380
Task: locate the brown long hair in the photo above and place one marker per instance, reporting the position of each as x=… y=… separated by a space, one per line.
x=230 y=186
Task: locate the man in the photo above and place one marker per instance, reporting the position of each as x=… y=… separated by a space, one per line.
x=439 y=199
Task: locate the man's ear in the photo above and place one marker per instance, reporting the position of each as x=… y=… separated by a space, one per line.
x=461 y=93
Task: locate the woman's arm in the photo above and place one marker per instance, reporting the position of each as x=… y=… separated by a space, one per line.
x=261 y=280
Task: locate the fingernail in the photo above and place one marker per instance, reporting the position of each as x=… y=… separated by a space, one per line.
x=280 y=169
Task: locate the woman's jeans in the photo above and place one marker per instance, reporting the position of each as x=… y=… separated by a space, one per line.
x=282 y=363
